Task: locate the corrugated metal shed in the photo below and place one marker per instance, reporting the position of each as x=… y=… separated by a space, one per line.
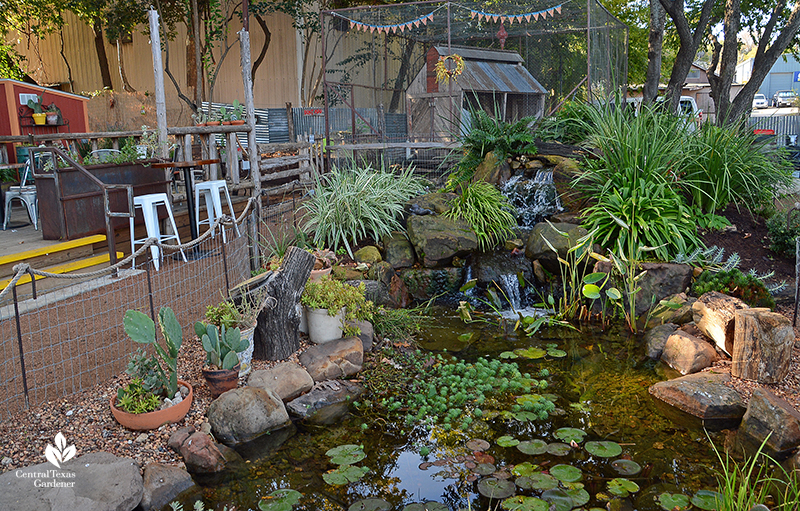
x=493 y=71
x=473 y=53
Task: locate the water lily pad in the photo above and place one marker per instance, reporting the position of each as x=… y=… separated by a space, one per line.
x=566 y=473
x=707 y=500
x=556 y=353
x=559 y=499
x=466 y=337
x=346 y=454
x=525 y=469
x=539 y=481
x=533 y=447
x=477 y=444
x=509 y=355
x=370 y=505
x=344 y=474
x=532 y=353
x=280 y=500
x=522 y=503
x=484 y=469
x=524 y=416
x=570 y=435
x=507 y=441
x=673 y=501
x=622 y=487
x=558 y=449
x=532 y=399
x=426 y=506
x=626 y=467
x=604 y=449
x=494 y=488
x=482 y=457
x=579 y=496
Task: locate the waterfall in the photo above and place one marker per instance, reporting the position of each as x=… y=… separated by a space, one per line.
x=535 y=198
x=510 y=286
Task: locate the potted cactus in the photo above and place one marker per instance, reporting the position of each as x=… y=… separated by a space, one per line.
x=222 y=347
x=39 y=115
x=155 y=396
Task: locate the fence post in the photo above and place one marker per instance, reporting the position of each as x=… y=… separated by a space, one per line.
x=21 y=350
x=225 y=268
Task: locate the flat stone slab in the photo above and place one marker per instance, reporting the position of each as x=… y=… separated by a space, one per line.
x=327 y=402
x=286 y=380
x=703 y=395
x=334 y=359
x=97 y=481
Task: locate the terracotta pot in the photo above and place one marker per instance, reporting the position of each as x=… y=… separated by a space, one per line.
x=52 y=118
x=318 y=274
x=200 y=124
x=212 y=123
x=226 y=123
x=238 y=122
x=39 y=119
x=156 y=419
x=221 y=380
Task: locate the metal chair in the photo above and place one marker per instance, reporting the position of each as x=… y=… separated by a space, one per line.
x=26 y=195
x=210 y=191
x=149 y=205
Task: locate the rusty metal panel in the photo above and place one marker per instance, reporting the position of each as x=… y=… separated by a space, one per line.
x=498 y=77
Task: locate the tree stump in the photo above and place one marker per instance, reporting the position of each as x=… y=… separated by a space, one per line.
x=762 y=346
x=714 y=315
x=277 y=334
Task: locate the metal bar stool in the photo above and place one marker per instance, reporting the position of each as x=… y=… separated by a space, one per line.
x=210 y=191
x=149 y=205
x=26 y=195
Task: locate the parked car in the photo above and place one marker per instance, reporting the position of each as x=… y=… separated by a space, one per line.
x=784 y=98
x=760 y=101
x=687 y=107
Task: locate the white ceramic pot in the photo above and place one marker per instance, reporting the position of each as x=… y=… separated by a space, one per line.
x=322 y=327
x=246 y=357
x=303 y=315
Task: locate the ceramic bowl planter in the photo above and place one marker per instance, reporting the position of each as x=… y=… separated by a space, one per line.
x=156 y=418
x=316 y=275
x=221 y=380
x=323 y=327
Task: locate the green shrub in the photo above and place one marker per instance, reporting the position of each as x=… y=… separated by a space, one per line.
x=746 y=286
x=781 y=236
x=571 y=124
x=354 y=202
x=487 y=211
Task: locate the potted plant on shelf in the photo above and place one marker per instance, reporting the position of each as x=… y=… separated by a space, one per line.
x=39 y=116
x=222 y=347
x=330 y=305
x=52 y=114
x=199 y=119
x=237 y=115
x=224 y=115
x=155 y=396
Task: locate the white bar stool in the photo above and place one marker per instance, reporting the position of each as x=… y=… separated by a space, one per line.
x=149 y=205
x=211 y=193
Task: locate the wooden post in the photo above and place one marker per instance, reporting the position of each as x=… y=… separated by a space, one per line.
x=158 y=74
x=252 y=146
x=290 y=121
x=187 y=148
x=233 y=158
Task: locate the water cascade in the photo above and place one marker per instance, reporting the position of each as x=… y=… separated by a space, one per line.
x=535 y=198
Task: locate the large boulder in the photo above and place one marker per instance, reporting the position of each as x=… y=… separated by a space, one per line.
x=398 y=251
x=493 y=170
x=491 y=266
x=437 y=240
x=369 y=254
x=538 y=249
x=687 y=354
x=97 y=481
x=425 y=283
x=769 y=415
x=656 y=338
x=201 y=454
x=242 y=414
x=675 y=309
x=286 y=380
x=704 y=395
x=162 y=483
x=430 y=203
x=327 y=402
x=762 y=345
x=661 y=281
x=714 y=315
x=335 y=359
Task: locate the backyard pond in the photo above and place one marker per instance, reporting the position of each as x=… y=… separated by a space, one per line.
x=603 y=444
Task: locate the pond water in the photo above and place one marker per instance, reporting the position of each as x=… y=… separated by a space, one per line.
x=600 y=386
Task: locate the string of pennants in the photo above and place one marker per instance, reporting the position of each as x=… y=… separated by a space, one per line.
x=424 y=19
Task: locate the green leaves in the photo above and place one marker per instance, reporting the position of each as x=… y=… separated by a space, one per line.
x=622 y=487
x=344 y=475
x=604 y=449
x=280 y=500
x=570 y=435
x=487 y=211
x=566 y=473
x=346 y=454
x=673 y=501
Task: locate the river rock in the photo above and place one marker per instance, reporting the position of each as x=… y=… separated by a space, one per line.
x=435 y=203
x=201 y=454
x=398 y=250
x=687 y=354
x=242 y=414
x=537 y=248
x=382 y=272
x=162 y=483
x=425 y=283
x=101 y=482
x=492 y=170
x=369 y=254
x=326 y=403
x=768 y=414
x=492 y=266
x=703 y=395
x=367 y=333
x=335 y=359
x=714 y=315
x=286 y=380
x=660 y=281
x=762 y=345
x=679 y=310
x=437 y=240
x=656 y=338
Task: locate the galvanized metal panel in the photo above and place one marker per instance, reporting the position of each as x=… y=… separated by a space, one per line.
x=278 y=125
x=498 y=77
x=473 y=53
x=783 y=126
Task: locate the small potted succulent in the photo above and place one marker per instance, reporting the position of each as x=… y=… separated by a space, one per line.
x=224 y=115
x=237 y=114
x=52 y=114
x=200 y=118
x=325 y=260
x=229 y=315
x=222 y=347
x=155 y=396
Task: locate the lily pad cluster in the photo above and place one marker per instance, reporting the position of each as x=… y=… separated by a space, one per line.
x=345 y=456
x=535 y=353
x=280 y=500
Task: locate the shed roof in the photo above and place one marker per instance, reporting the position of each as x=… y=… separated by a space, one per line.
x=493 y=71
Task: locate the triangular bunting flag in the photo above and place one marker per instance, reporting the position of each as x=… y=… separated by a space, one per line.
x=394 y=29
x=402 y=28
x=495 y=17
x=372 y=29
x=425 y=21
x=352 y=23
x=502 y=19
x=528 y=17
x=558 y=9
x=472 y=14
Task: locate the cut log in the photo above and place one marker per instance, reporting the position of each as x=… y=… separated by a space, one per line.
x=277 y=334
x=762 y=346
x=714 y=315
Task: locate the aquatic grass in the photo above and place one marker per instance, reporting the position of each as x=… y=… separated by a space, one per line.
x=401 y=324
x=356 y=201
x=487 y=211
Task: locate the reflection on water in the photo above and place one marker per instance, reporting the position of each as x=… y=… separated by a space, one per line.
x=600 y=387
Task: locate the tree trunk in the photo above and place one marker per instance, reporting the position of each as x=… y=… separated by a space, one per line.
x=102 y=58
x=267 y=39
x=66 y=62
x=725 y=63
x=401 y=76
x=762 y=346
x=277 y=334
x=126 y=86
x=658 y=19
